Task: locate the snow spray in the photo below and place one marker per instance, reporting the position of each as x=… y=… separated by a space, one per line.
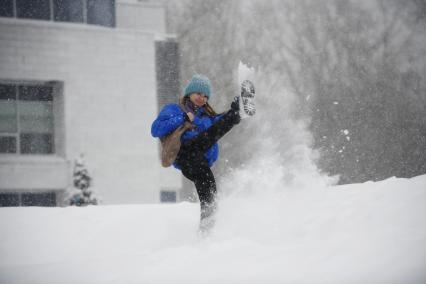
x=278 y=162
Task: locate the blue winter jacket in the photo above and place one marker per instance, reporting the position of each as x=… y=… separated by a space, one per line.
x=172 y=116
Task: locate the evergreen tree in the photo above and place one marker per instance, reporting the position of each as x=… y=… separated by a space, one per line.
x=81 y=194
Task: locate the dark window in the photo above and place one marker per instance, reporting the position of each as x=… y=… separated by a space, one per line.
x=168 y=196
x=6 y=8
x=68 y=10
x=101 y=12
x=35 y=93
x=7 y=144
x=96 y=12
x=36 y=119
x=8 y=111
x=9 y=199
x=7 y=92
x=33 y=9
x=39 y=199
x=36 y=143
x=26 y=119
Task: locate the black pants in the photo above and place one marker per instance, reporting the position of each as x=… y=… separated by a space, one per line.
x=194 y=165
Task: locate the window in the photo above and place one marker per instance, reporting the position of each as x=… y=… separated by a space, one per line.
x=95 y=12
x=6 y=8
x=39 y=199
x=34 y=9
x=68 y=10
x=168 y=196
x=26 y=119
x=9 y=199
x=8 y=109
x=45 y=199
x=101 y=12
x=7 y=144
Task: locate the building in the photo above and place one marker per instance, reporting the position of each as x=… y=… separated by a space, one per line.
x=84 y=77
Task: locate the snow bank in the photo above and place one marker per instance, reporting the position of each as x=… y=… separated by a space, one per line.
x=359 y=233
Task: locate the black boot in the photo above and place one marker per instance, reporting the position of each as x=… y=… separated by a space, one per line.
x=207 y=220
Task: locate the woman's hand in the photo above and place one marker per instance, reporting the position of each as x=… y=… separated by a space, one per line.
x=190 y=116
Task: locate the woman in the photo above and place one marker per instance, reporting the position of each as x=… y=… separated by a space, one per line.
x=199 y=149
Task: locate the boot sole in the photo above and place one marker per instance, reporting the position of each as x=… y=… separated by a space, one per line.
x=247 y=97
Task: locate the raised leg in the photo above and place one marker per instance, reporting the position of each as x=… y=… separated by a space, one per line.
x=208 y=138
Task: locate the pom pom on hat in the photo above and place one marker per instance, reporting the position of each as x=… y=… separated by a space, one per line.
x=199 y=84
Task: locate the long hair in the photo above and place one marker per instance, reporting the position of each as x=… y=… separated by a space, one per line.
x=208 y=108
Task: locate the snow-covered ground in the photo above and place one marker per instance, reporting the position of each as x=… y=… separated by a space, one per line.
x=359 y=233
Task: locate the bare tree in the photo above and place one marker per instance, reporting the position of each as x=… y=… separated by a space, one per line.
x=355 y=69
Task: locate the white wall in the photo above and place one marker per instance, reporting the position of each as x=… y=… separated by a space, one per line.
x=109 y=96
x=141 y=15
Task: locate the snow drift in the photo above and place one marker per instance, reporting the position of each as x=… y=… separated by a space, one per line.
x=359 y=233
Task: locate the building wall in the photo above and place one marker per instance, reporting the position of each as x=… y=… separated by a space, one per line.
x=109 y=94
x=141 y=15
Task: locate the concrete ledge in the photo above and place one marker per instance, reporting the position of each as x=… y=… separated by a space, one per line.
x=68 y=26
x=33 y=173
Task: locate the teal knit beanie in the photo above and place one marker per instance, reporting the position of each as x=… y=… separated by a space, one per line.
x=199 y=84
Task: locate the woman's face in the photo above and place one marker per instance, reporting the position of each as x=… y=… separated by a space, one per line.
x=198 y=99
